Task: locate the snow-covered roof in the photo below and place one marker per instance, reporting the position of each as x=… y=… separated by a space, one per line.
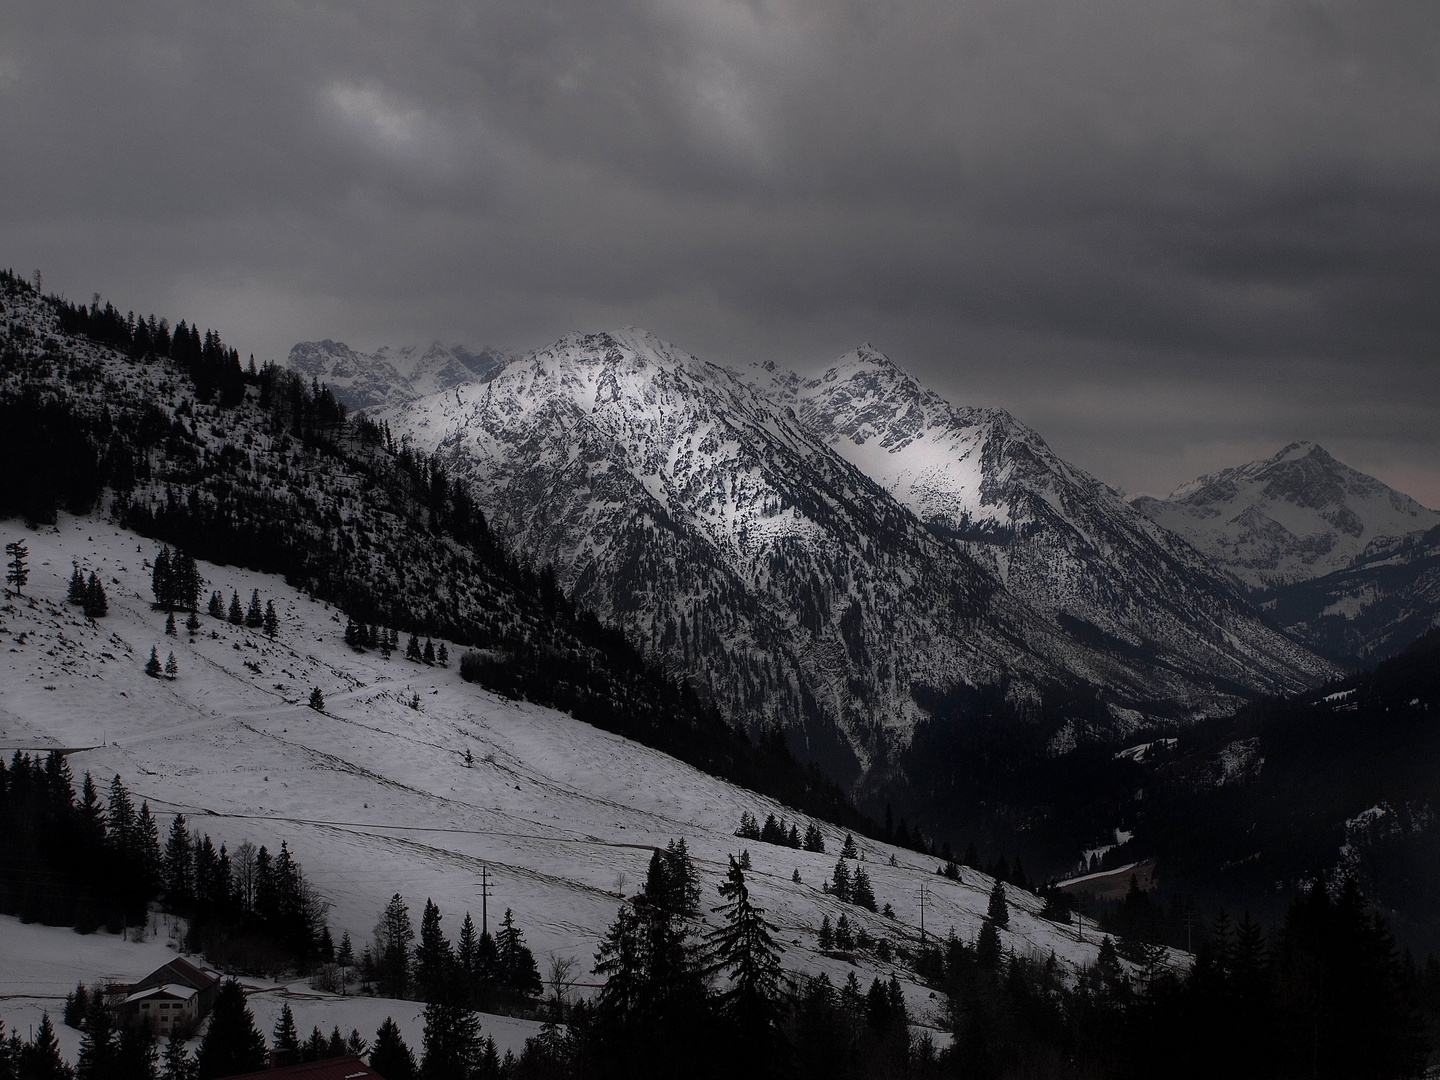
x=167 y=990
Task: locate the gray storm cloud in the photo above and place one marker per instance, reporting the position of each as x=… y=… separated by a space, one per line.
x=1168 y=235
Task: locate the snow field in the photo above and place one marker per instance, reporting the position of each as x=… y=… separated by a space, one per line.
x=373 y=795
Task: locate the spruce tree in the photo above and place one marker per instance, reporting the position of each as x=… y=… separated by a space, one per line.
x=814 y=839
x=40 y=1058
x=160 y=580
x=744 y=949
x=519 y=974
x=255 y=614
x=17 y=570
x=393 y=935
x=433 y=958
x=232 y=1044
x=153 y=667
x=336 y=1046
x=987 y=946
x=76 y=593
x=286 y=1038
x=135 y=1053
x=170 y=628
x=216 y=607
x=412 y=649
x=467 y=950
x=236 y=613
x=96 y=1060
x=451 y=1047
x=272 y=621
x=314 y=1047
x=177 y=1063
x=861 y=894
x=356 y=1045
x=390 y=1057
x=827 y=933
x=849 y=850
x=428 y=655
x=192 y=623
x=998 y=910
x=840 y=880
x=442 y=655
x=97 y=605
x=172 y=669
x=179 y=882
x=317 y=699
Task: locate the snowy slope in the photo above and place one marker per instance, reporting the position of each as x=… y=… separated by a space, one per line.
x=364 y=380
x=1298 y=515
x=373 y=795
x=1060 y=539
x=697 y=510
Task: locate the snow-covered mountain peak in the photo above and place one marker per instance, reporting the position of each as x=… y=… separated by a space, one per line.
x=390 y=373
x=1297 y=515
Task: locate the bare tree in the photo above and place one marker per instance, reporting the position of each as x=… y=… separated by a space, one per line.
x=561 y=979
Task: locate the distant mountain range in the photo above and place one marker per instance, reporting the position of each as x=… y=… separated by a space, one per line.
x=1335 y=558
x=825 y=551
x=365 y=380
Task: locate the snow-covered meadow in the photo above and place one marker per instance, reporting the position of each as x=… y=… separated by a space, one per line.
x=374 y=794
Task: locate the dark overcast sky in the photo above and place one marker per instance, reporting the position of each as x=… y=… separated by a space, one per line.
x=1170 y=236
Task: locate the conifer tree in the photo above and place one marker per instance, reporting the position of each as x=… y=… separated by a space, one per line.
x=236 y=613
x=861 y=894
x=412 y=649
x=170 y=629
x=840 y=880
x=96 y=1060
x=356 y=1045
x=231 y=1045
x=827 y=933
x=177 y=1063
x=153 y=667
x=272 y=621
x=433 y=957
x=849 y=850
x=336 y=1046
x=317 y=699
x=451 y=1046
x=192 y=623
x=393 y=935
x=844 y=935
x=255 y=614
x=467 y=950
x=998 y=910
x=428 y=655
x=179 y=883
x=172 y=669
x=97 y=605
x=217 y=606
x=315 y=1047
x=76 y=593
x=286 y=1037
x=135 y=1053
x=390 y=1057
x=160 y=581
x=744 y=949
x=40 y=1058
x=442 y=655
x=744 y=859
x=814 y=839
x=17 y=570
x=987 y=945
x=519 y=974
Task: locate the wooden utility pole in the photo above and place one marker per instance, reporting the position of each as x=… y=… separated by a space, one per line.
x=484 y=899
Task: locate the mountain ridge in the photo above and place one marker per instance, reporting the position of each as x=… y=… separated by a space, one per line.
x=701 y=511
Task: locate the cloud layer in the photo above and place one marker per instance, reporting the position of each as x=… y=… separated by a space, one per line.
x=1169 y=235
